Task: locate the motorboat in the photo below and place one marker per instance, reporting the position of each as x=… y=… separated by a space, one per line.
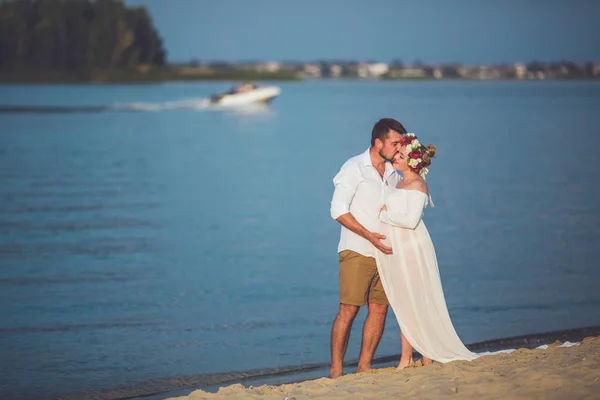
x=247 y=93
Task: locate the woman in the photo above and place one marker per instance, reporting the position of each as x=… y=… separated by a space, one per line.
x=410 y=275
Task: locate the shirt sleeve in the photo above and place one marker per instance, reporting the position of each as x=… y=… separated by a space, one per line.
x=345 y=182
x=415 y=203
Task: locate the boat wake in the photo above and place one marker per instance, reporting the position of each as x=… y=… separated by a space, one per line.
x=248 y=98
x=189 y=104
x=194 y=104
x=203 y=104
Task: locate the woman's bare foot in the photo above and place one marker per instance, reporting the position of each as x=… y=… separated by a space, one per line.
x=427 y=361
x=404 y=363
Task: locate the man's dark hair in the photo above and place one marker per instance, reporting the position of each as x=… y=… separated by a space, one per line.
x=382 y=128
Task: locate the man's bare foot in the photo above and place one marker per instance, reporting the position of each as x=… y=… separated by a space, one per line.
x=363 y=368
x=335 y=372
x=404 y=363
x=427 y=361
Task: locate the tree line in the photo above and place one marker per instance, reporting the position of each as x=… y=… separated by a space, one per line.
x=77 y=36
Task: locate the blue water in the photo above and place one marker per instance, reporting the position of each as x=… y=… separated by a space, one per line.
x=177 y=242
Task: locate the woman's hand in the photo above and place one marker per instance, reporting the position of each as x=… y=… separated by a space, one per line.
x=383 y=208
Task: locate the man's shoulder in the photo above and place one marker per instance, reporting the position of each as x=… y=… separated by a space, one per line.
x=357 y=160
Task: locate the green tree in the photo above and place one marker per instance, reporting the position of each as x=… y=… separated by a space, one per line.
x=77 y=35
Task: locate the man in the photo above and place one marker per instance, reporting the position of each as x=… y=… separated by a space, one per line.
x=360 y=188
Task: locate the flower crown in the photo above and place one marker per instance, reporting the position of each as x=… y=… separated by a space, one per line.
x=414 y=150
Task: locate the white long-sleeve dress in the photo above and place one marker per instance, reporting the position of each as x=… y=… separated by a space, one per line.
x=411 y=279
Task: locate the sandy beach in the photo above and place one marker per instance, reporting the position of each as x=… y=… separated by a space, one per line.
x=552 y=373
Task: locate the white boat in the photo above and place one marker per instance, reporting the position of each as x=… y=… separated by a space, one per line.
x=245 y=94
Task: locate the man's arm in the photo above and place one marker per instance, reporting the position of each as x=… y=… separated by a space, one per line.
x=351 y=223
x=346 y=183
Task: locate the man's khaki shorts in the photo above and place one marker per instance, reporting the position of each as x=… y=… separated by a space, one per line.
x=359 y=280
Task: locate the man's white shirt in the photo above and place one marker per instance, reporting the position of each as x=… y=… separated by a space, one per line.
x=360 y=190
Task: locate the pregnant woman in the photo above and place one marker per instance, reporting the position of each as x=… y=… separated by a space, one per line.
x=410 y=275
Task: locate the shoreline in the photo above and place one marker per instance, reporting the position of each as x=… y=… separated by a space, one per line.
x=130 y=76
x=555 y=372
x=298 y=375
x=160 y=76
x=298 y=80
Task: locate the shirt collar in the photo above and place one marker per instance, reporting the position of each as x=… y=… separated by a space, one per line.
x=367 y=158
x=389 y=168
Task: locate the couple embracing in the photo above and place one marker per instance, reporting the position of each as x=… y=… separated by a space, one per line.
x=385 y=252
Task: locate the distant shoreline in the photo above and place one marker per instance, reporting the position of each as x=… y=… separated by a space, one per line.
x=165 y=75
x=122 y=76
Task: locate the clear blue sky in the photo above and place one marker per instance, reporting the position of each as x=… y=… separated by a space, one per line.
x=433 y=31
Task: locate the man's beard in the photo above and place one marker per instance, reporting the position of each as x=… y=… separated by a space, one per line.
x=391 y=160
